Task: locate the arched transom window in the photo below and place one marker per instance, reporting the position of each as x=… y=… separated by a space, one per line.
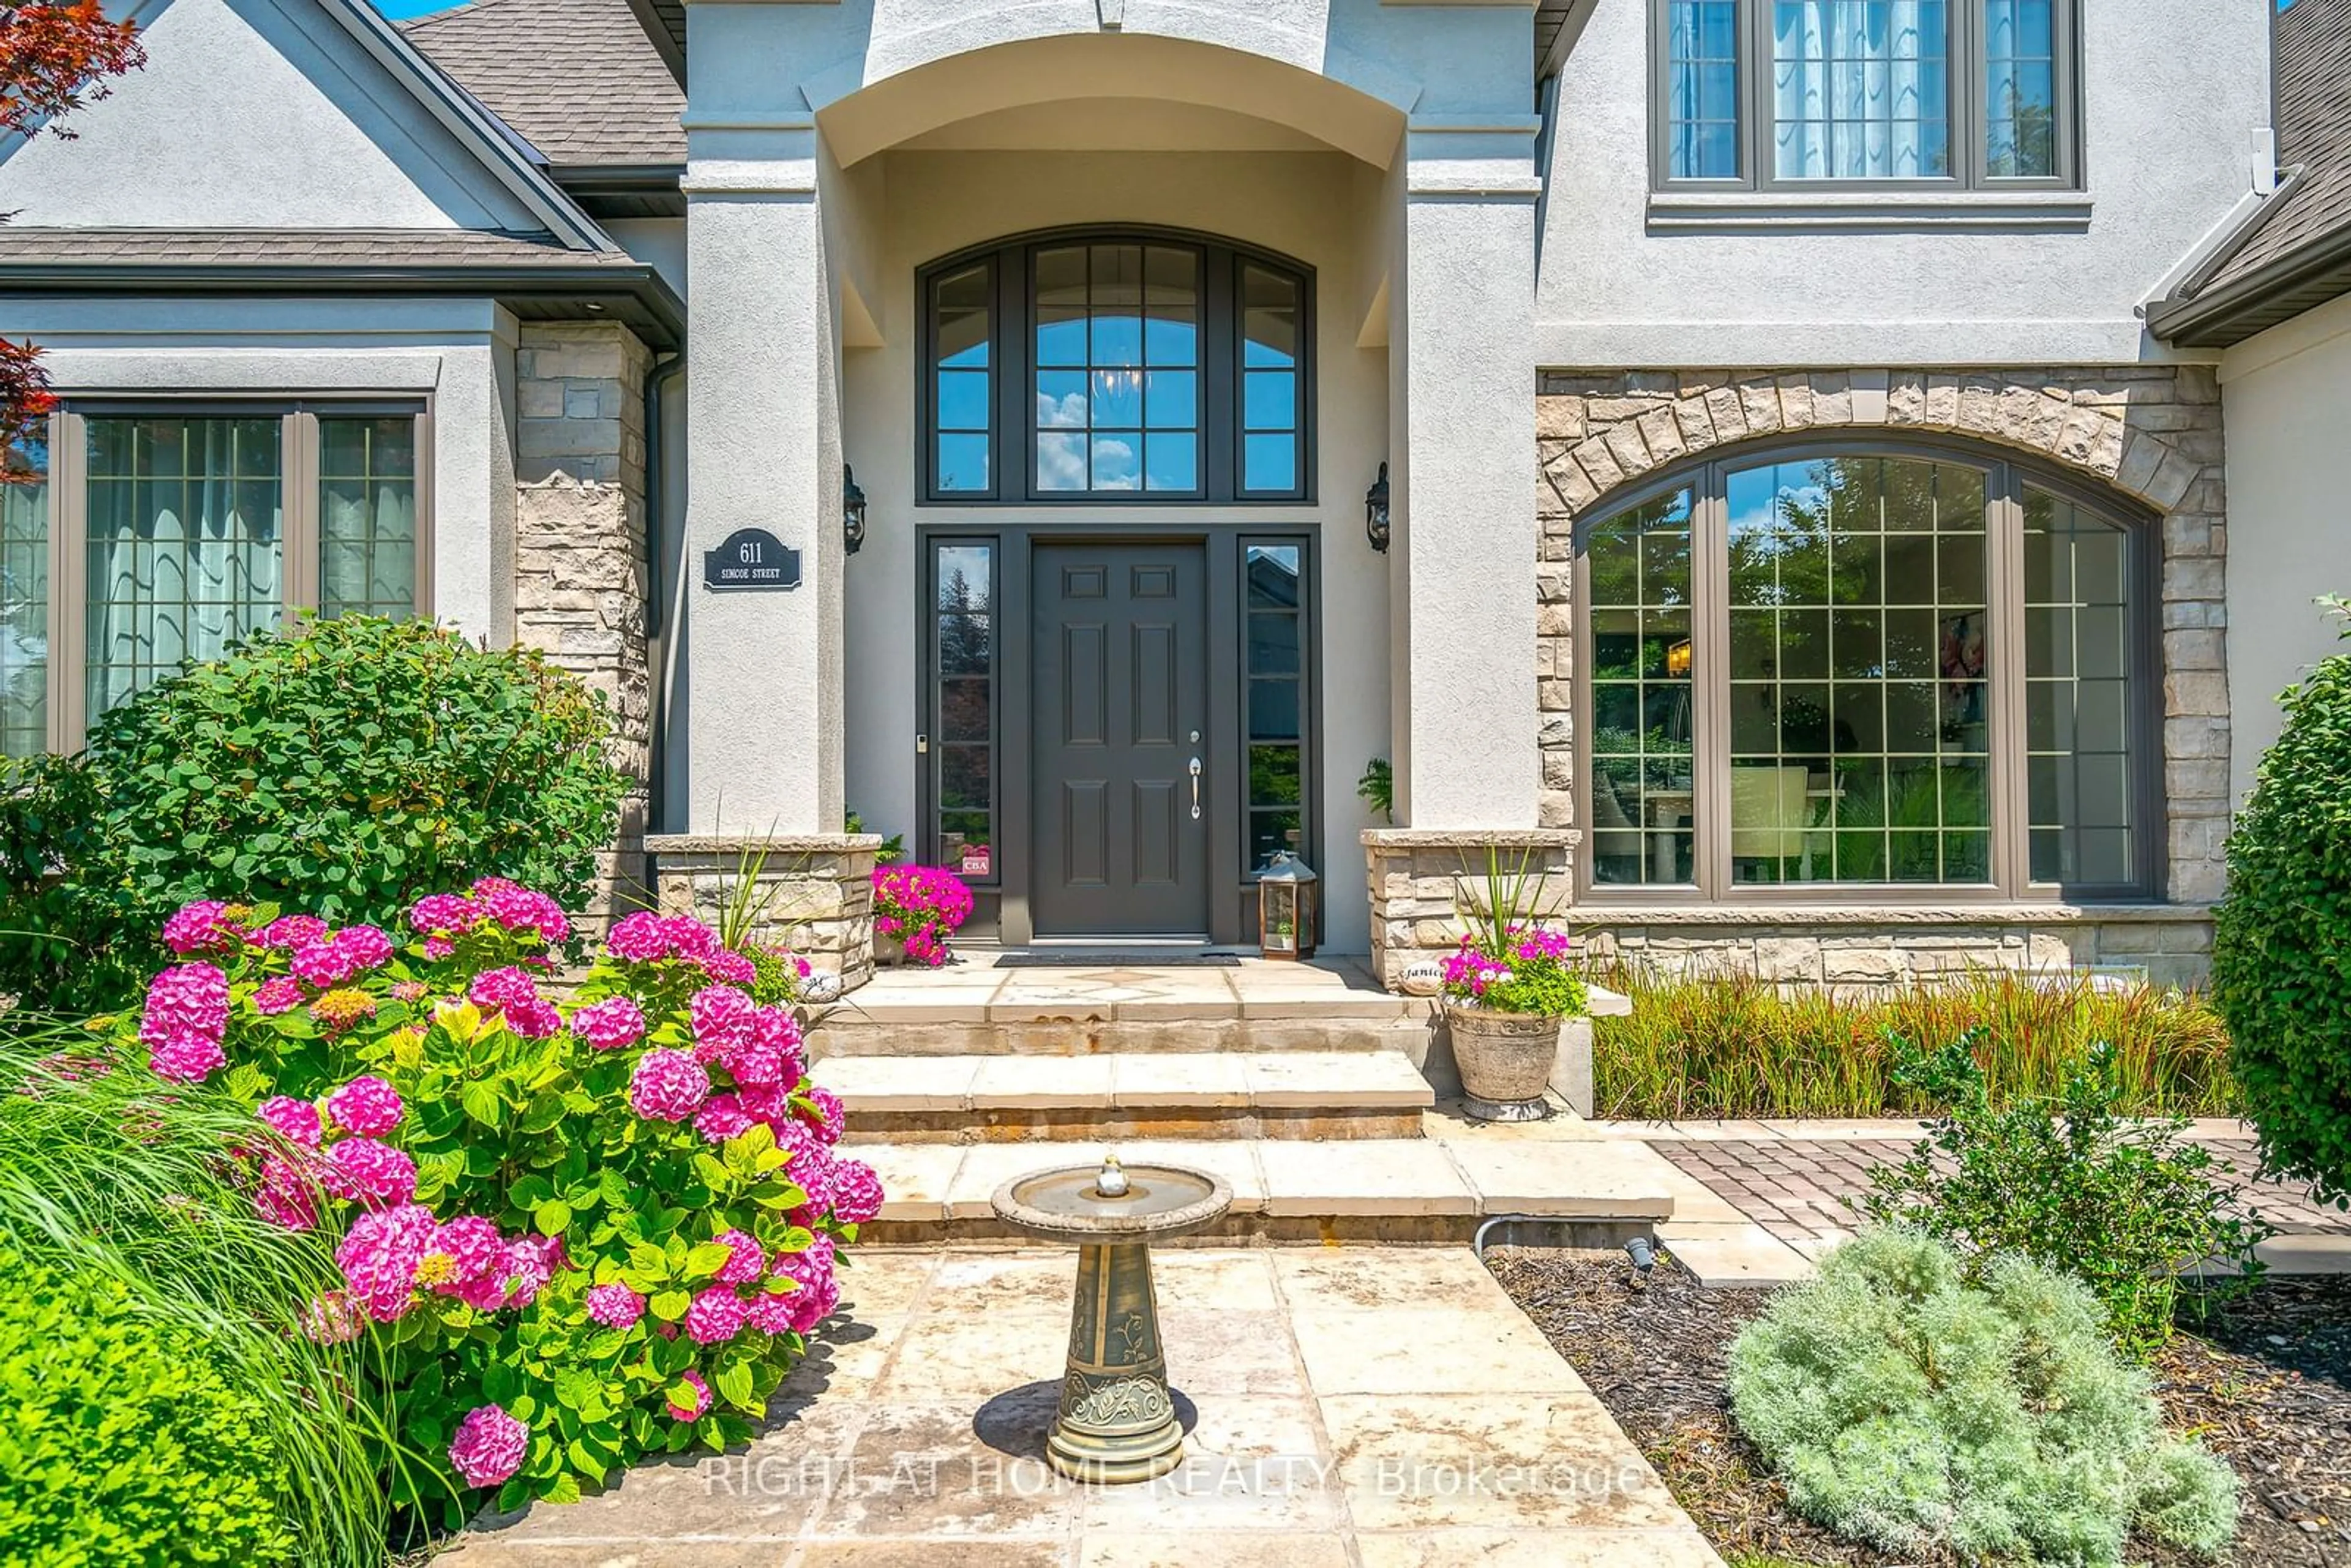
x=1843 y=669
x=1117 y=366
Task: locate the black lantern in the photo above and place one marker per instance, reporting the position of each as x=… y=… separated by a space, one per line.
x=852 y=511
x=1285 y=907
x=1375 y=512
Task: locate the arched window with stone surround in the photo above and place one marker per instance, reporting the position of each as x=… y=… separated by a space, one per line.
x=1841 y=670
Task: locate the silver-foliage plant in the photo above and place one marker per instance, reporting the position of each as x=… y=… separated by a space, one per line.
x=1910 y=1409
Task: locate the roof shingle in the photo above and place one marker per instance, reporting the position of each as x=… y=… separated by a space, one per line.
x=353 y=250
x=2313 y=128
x=578 y=79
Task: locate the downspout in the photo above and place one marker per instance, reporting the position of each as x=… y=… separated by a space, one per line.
x=656 y=481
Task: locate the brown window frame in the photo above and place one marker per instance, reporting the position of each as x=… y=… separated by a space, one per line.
x=2006 y=478
x=299 y=501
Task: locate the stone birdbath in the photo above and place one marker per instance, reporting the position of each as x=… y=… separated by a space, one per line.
x=1117 y=1421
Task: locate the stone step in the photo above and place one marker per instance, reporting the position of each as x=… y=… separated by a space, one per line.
x=1304 y=1191
x=1289 y=1094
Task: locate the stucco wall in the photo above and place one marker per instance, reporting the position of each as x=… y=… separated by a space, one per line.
x=2287 y=394
x=2173 y=89
x=1306 y=205
x=456 y=354
x=252 y=114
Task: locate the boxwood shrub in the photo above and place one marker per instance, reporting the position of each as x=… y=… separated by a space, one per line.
x=122 y=1437
x=2281 y=953
x=347 y=766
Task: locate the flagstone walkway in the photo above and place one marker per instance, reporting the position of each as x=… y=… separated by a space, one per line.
x=1365 y=1406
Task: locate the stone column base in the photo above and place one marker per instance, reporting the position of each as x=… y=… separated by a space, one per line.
x=1427 y=882
x=815 y=890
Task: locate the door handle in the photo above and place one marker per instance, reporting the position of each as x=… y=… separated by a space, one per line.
x=1196 y=788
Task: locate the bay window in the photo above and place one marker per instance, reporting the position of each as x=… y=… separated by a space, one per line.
x=1827 y=94
x=151 y=536
x=1844 y=669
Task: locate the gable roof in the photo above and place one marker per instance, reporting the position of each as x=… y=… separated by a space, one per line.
x=2295 y=252
x=582 y=80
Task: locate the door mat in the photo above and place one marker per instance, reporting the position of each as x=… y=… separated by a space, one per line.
x=1141 y=957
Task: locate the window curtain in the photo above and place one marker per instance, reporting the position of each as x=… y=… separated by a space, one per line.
x=1858 y=89
x=185 y=554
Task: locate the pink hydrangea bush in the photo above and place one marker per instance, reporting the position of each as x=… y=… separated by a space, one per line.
x=582 y=1225
x=922 y=906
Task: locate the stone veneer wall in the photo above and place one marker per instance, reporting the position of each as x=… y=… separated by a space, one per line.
x=1423 y=882
x=2151 y=432
x=580 y=574
x=818 y=891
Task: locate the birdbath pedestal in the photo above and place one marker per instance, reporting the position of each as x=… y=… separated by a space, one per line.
x=1116 y=1421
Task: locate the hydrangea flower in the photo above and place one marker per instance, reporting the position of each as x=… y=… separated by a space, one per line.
x=810 y=1263
x=688 y=938
x=380 y=1257
x=297 y=1120
x=489 y=1446
x=733 y=968
x=184 y=1021
x=367 y=946
x=701 y=1399
x=341 y=1007
x=856 y=1192
x=638 y=939
x=438 y=948
x=501 y=988
x=615 y=1306
x=533 y=1019
x=612 y=1024
x=768 y=1051
x=366 y=1106
x=463 y=1250
x=812 y=1304
x=281 y=994
x=667 y=1086
x=283 y=1196
x=716 y=1315
x=720 y=1015
x=203 y=926
x=443 y=914
x=290 y=933
x=332 y=1318
x=747 y=1260
x=769 y=1312
x=824 y=1112
x=721 y=1117
x=362 y=1170
x=517 y=908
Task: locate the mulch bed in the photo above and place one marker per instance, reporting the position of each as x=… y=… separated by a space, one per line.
x=2267 y=1386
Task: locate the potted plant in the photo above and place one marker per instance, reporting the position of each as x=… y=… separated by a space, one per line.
x=915 y=909
x=1508 y=988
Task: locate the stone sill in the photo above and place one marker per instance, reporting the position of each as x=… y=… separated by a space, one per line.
x=774 y=843
x=1888 y=914
x=1471 y=838
x=1881 y=212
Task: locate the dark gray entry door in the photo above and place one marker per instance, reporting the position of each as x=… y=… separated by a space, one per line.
x=1118 y=655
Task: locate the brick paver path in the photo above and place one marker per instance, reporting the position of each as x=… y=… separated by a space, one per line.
x=1797 y=1187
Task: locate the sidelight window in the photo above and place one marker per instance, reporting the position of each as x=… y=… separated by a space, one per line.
x=964 y=659
x=1275 y=673
x=1860 y=669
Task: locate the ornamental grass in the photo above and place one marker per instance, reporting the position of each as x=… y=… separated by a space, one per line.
x=1733 y=1045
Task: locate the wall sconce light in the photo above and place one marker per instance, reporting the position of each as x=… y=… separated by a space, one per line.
x=1375 y=512
x=852 y=511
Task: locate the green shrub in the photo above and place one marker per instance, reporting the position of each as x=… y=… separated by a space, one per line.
x=124 y=1439
x=2121 y=1206
x=1910 y=1410
x=2281 y=953
x=347 y=766
x=1736 y=1046
x=138 y=1287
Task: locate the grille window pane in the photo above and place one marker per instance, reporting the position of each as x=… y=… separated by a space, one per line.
x=25 y=598
x=2078 y=695
x=1275 y=669
x=1860 y=89
x=367 y=515
x=963 y=660
x=1104 y=313
x=1644 y=799
x=185 y=547
x=1702 y=89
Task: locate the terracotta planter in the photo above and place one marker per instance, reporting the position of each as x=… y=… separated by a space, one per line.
x=1505 y=1061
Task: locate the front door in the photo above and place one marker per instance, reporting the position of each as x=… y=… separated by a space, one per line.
x=1119 y=709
